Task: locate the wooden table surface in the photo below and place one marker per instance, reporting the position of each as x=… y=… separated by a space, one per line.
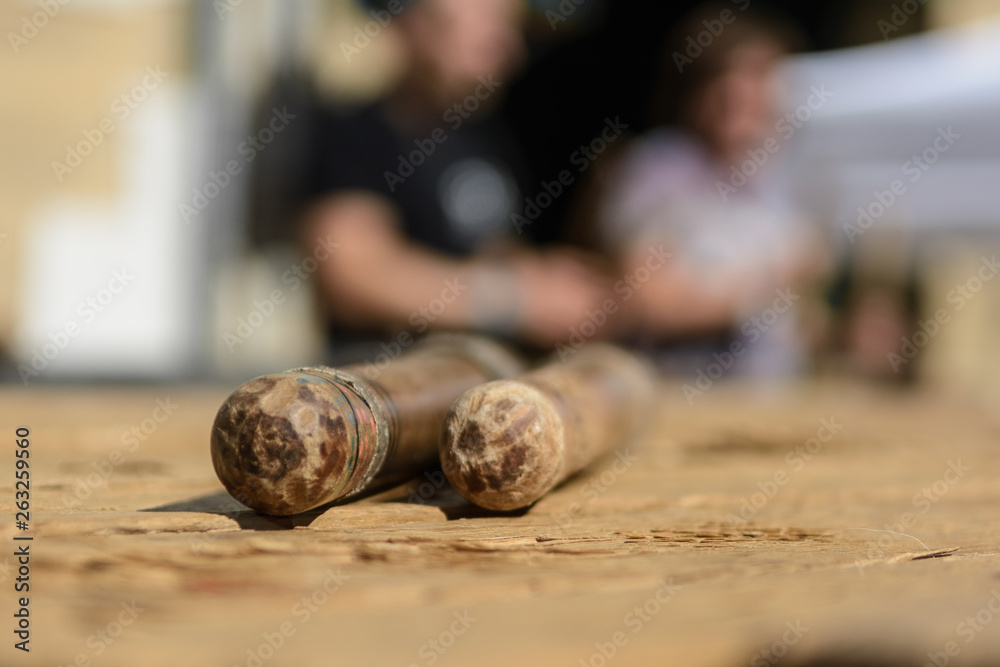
x=797 y=528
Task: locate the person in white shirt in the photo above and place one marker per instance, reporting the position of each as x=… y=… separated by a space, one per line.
x=708 y=189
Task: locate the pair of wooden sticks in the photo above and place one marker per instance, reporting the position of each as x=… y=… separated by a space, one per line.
x=289 y=442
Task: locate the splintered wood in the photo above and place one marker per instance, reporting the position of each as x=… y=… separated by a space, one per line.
x=828 y=523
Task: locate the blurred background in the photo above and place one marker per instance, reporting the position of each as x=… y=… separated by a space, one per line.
x=145 y=214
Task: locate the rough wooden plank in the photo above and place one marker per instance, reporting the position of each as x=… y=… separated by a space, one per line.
x=867 y=540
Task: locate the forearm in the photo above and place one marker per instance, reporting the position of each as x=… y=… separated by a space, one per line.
x=678 y=299
x=668 y=308
x=378 y=278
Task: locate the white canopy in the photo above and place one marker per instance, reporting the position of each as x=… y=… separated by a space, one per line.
x=884 y=125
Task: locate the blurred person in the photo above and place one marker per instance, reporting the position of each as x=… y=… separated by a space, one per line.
x=708 y=188
x=417 y=193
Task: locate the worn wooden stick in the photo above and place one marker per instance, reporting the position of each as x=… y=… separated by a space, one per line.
x=289 y=442
x=507 y=443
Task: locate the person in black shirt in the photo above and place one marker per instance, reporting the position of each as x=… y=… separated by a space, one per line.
x=419 y=194
x=455 y=183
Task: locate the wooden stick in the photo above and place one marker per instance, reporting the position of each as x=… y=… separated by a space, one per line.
x=288 y=442
x=508 y=442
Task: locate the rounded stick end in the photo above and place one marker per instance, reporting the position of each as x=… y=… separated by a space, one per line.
x=503 y=445
x=289 y=442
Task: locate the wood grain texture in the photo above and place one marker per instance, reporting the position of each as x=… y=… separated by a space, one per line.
x=657 y=557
